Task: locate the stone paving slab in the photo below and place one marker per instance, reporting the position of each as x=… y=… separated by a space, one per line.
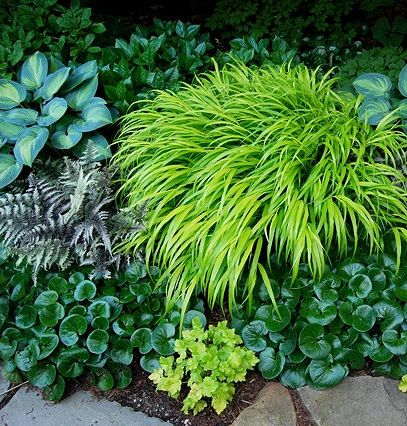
x=4 y=385
x=272 y=407
x=28 y=408
x=359 y=401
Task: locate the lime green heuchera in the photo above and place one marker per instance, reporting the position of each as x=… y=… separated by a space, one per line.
x=212 y=359
x=403 y=384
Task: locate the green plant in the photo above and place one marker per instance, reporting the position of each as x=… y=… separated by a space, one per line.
x=62 y=218
x=383 y=60
x=212 y=361
x=403 y=384
x=66 y=326
x=51 y=104
x=31 y=25
x=251 y=162
x=377 y=91
x=390 y=35
x=355 y=317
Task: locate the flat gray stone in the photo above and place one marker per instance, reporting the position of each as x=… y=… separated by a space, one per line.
x=361 y=401
x=27 y=407
x=272 y=407
x=4 y=385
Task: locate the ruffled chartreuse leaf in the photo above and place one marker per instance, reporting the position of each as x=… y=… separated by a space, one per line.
x=30 y=143
x=403 y=384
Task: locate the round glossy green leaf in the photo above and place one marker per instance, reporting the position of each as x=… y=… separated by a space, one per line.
x=34 y=71
x=372 y=85
x=52 y=83
x=311 y=342
x=29 y=144
x=162 y=339
x=253 y=336
x=389 y=314
x=42 y=375
x=100 y=322
x=71 y=361
x=348 y=269
x=27 y=358
x=190 y=315
x=105 y=380
x=122 y=352
x=52 y=111
x=271 y=363
x=85 y=290
x=293 y=375
x=124 y=325
x=364 y=318
x=71 y=328
x=326 y=374
x=400 y=282
x=325 y=290
x=134 y=272
x=317 y=312
x=11 y=94
x=7 y=348
x=78 y=309
x=150 y=362
x=381 y=354
x=361 y=285
x=290 y=343
x=274 y=320
x=25 y=316
x=51 y=314
x=121 y=374
x=395 y=342
x=56 y=391
x=96 y=360
x=48 y=297
x=4 y=309
x=97 y=341
x=9 y=169
x=141 y=339
x=345 y=312
x=58 y=284
x=378 y=279
x=374 y=110
x=75 y=279
x=47 y=343
x=100 y=308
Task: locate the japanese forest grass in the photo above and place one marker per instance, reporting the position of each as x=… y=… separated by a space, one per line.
x=247 y=163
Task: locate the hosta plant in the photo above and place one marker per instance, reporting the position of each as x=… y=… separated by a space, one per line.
x=355 y=317
x=50 y=104
x=212 y=360
x=68 y=325
x=63 y=215
x=380 y=97
x=247 y=163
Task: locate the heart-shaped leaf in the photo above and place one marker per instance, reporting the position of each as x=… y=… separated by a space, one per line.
x=58 y=284
x=85 y=290
x=100 y=308
x=25 y=316
x=66 y=139
x=190 y=315
x=311 y=342
x=9 y=169
x=47 y=343
x=56 y=391
x=271 y=363
x=80 y=74
x=100 y=322
x=7 y=348
x=121 y=374
x=97 y=341
x=326 y=374
x=52 y=111
x=52 y=83
x=104 y=380
x=162 y=339
x=294 y=375
x=141 y=339
x=34 y=71
x=51 y=314
x=11 y=94
x=389 y=314
x=402 y=83
x=71 y=328
x=372 y=85
x=150 y=362
x=374 y=110
x=381 y=354
x=122 y=352
x=27 y=358
x=30 y=143
x=71 y=361
x=363 y=318
x=124 y=325
x=42 y=375
x=253 y=336
x=82 y=94
x=274 y=320
x=348 y=269
x=95 y=114
x=317 y=312
x=395 y=342
x=48 y=297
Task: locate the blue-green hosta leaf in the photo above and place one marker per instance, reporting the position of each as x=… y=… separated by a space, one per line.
x=34 y=71
x=52 y=112
x=372 y=85
x=80 y=74
x=374 y=110
x=100 y=146
x=52 y=83
x=402 y=84
x=9 y=169
x=19 y=116
x=94 y=115
x=66 y=139
x=82 y=94
x=11 y=94
x=9 y=130
x=402 y=108
x=30 y=143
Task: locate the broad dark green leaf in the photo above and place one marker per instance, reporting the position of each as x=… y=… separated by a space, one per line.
x=253 y=336
x=271 y=363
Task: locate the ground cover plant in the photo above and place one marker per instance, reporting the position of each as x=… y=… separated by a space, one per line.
x=249 y=163
x=50 y=105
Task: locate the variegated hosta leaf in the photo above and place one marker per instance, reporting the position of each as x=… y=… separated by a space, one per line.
x=66 y=139
x=82 y=94
x=20 y=116
x=29 y=144
x=80 y=74
x=11 y=94
x=34 y=71
x=374 y=110
x=53 y=111
x=99 y=145
x=52 y=83
x=402 y=108
x=94 y=115
x=9 y=130
x=373 y=85
x=403 y=81
x=54 y=64
x=9 y=169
